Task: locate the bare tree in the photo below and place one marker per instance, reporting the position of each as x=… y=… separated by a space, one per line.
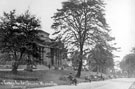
x=78 y=23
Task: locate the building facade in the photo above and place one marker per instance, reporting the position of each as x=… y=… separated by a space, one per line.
x=52 y=52
x=45 y=48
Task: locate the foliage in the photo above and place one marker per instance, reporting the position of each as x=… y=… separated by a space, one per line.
x=81 y=24
x=19 y=36
x=128 y=64
x=103 y=57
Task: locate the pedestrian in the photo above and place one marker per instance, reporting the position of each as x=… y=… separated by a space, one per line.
x=72 y=79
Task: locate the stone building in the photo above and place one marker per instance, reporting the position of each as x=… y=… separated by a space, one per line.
x=45 y=48
x=52 y=51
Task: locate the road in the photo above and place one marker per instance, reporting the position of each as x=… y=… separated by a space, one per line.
x=122 y=83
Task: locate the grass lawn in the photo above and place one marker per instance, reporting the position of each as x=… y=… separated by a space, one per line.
x=45 y=76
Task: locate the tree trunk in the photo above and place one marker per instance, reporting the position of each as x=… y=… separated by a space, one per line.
x=29 y=65
x=80 y=62
x=16 y=63
x=79 y=69
x=97 y=69
x=15 y=67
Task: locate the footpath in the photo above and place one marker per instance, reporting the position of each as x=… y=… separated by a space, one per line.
x=85 y=85
x=123 y=83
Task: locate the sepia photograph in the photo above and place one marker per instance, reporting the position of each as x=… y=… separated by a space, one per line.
x=67 y=44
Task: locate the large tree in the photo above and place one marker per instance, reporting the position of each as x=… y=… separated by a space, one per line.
x=19 y=36
x=77 y=22
x=128 y=64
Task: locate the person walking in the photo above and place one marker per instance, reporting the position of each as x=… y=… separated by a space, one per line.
x=72 y=79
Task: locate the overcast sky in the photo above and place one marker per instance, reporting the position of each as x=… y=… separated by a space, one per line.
x=121 y=18
x=120 y=15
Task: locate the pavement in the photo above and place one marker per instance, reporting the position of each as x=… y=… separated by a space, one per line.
x=132 y=86
x=121 y=83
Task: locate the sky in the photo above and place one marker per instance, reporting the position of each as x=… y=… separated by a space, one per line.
x=120 y=15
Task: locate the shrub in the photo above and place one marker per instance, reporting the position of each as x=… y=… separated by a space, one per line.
x=63 y=78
